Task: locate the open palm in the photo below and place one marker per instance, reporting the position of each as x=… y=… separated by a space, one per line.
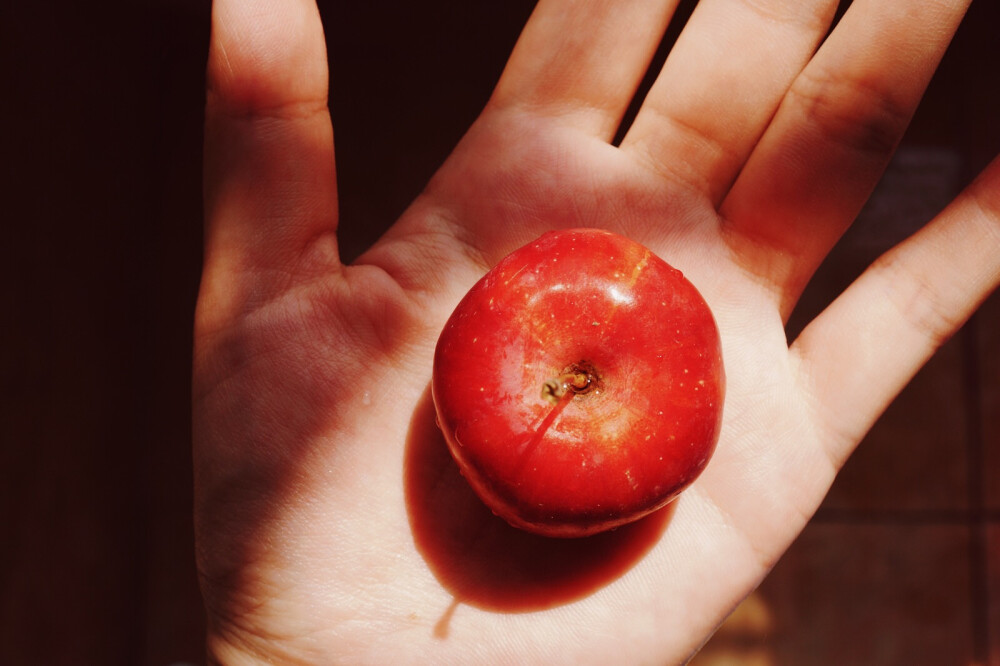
x=333 y=525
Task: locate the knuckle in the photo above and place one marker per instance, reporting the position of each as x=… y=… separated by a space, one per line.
x=812 y=16
x=851 y=112
x=920 y=302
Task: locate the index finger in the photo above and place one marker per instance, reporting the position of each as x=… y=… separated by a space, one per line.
x=270 y=184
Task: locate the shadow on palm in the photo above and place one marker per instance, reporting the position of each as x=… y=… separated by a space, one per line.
x=483 y=561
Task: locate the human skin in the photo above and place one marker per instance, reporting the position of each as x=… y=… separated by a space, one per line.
x=331 y=524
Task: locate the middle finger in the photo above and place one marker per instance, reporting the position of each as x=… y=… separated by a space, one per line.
x=720 y=86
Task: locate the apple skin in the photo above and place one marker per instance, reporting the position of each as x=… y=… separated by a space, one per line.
x=628 y=327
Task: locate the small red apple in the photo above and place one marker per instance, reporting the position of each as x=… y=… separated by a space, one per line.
x=579 y=384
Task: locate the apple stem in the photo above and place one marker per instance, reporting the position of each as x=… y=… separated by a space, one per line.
x=572 y=382
x=577 y=378
x=546 y=423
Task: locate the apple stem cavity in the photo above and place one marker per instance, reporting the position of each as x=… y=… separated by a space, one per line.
x=575 y=379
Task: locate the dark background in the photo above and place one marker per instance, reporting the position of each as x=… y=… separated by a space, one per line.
x=101 y=110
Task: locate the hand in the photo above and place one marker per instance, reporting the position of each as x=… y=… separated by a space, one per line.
x=332 y=525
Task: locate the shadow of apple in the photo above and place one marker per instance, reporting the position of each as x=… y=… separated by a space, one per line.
x=483 y=561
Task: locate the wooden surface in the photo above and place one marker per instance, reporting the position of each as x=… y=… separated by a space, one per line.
x=102 y=109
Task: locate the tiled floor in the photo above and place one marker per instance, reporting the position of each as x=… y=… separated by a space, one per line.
x=901 y=565
x=861 y=594
x=993 y=608
x=988 y=319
